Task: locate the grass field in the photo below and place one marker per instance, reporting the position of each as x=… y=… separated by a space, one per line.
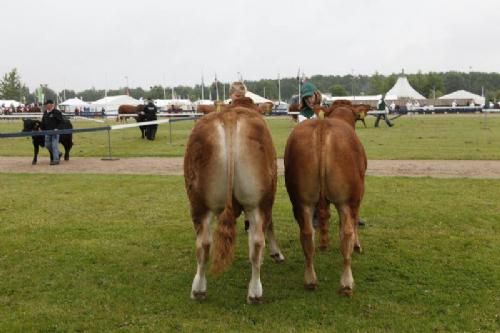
x=116 y=253
x=450 y=137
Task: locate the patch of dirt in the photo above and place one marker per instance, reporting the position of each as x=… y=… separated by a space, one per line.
x=173 y=166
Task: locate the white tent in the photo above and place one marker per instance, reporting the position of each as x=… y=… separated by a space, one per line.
x=464 y=95
x=402 y=89
x=203 y=102
x=184 y=104
x=112 y=103
x=71 y=104
x=255 y=98
x=8 y=102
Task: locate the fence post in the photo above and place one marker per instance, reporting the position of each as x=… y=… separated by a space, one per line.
x=170 y=131
x=109 y=158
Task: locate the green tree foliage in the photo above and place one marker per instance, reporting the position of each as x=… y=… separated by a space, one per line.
x=428 y=84
x=338 y=90
x=10 y=86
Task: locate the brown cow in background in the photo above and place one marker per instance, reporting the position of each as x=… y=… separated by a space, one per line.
x=230 y=167
x=325 y=163
x=126 y=111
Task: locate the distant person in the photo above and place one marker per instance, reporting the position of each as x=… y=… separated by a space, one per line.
x=310 y=96
x=237 y=90
x=52 y=119
x=150 y=111
x=383 y=112
x=103 y=111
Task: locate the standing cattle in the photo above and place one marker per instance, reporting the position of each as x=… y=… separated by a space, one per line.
x=126 y=111
x=230 y=167
x=30 y=125
x=325 y=163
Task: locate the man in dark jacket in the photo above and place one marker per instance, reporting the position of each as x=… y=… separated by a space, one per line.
x=52 y=120
x=150 y=114
x=382 y=108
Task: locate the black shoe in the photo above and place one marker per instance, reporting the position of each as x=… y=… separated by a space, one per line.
x=54 y=162
x=361 y=222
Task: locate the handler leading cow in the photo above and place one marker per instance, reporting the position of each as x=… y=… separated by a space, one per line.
x=230 y=167
x=325 y=163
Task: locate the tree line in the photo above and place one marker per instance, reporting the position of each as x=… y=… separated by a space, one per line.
x=431 y=85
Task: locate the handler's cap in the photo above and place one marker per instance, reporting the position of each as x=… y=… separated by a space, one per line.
x=49 y=101
x=308 y=89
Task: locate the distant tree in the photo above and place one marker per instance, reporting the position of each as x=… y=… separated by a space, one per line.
x=377 y=84
x=92 y=94
x=10 y=86
x=48 y=92
x=453 y=81
x=338 y=90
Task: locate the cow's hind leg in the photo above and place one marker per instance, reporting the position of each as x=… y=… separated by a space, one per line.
x=256 y=244
x=347 y=216
x=323 y=212
x=304 y=217
x=274 y=249
x=203 y=241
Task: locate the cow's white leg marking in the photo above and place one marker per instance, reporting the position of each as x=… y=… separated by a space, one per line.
x=256 y=244
x=203 y=241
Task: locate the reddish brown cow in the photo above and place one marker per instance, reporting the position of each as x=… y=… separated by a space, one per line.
x=205 y=108
x=325 y=163
x=128 y=111
x=230 y=167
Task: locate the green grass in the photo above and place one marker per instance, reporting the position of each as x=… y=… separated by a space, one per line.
x=449 y=137
x=116 y=253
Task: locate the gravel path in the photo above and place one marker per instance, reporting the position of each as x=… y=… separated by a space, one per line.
x=173 y=166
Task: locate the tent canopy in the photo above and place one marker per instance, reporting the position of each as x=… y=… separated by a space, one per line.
x=8 y=102
x=464 y=95
x=254 y=97
x=76 y=102
x=112 y=103
x=402 y=89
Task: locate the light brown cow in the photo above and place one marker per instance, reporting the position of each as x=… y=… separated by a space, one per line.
x=230 y=167
x=325 y=163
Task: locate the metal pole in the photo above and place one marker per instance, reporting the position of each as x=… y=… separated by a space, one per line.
x=109 y=158
x=170 y=129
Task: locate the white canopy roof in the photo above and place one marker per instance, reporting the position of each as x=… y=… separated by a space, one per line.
x=113 y=102
x=403 y=89
x=463 y=94
x=255 y=98
x=177 y=102
x=9 y=102
x=74 y=102
x=203 y=102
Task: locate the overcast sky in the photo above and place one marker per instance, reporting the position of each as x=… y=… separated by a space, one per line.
x=82 y=44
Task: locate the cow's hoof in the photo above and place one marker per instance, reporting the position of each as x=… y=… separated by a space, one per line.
x=33 y=163
x=345 y=291
x=199 y=295
x=278 y=257
x=357 y=248
x=310 y=286
x=254 y=300
x=66 y=158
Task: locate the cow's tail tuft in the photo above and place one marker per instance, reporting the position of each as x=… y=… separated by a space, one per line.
x=225 y=235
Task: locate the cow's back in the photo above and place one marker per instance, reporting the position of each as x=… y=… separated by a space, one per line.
x=127 y=109
x=324 y=154
x=208 y=152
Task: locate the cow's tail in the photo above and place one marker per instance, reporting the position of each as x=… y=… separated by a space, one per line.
x=225 y=235
x=322 y=206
